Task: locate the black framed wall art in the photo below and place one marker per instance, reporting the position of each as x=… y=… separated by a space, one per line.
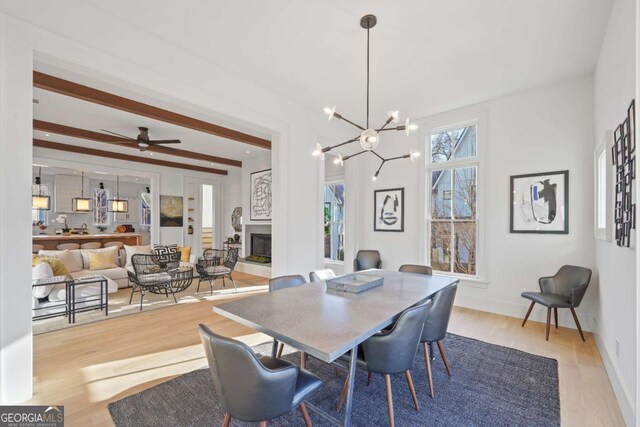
x=388 y=207
x=540 y=203
x=260 y=196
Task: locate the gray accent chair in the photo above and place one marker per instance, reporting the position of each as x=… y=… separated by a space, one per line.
x=366 y=259
x=252 y=388
x=217 y=264
x=435 y=329
x=392 y=351
x=320 y=275
x=153 y=273
x=415 y=268
x=565 y=289
x=284 y=282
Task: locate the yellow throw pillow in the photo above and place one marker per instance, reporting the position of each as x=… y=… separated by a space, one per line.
x=185 y=253
x=101 y=260
x=57 y=266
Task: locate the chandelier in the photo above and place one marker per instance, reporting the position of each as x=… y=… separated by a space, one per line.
x=369 y=138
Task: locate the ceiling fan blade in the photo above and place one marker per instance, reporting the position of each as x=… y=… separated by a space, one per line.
x=165 y=141
x=118 y=134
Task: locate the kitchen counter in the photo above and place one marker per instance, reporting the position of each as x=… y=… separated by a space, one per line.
x=51 y=241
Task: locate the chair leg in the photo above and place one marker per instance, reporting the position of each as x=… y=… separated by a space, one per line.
x=303 y=360
x=305 y=415
x=224 y=284
x=369 y=376
x=427 y=361
x=444 y=357
x=407 y=374
x=280 y=348
x=343 y=394
x=575 y=317
x=199 y=281
x=226 y=421
x=172 y=293
x=234 y=283
x=548 y=321
x=141 y=297
x=526 y=317
x=387 y=383
x=211 y=287
x=133 y=289
x=555 y=315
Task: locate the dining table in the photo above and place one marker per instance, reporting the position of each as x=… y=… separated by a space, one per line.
x=326 y=323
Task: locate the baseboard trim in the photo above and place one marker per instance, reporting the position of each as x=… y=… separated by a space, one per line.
x=619 y=390
x=539 y=313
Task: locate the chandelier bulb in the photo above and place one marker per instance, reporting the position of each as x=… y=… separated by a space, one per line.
x=413 y=154
x=369 y=139
x=330 y=111
x=318 y=152
x=394 y=116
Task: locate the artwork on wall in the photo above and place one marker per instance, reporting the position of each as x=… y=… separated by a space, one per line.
x=171 y=211
x=388 y=206
x=236 y=219
x=260 y=193
x=624 y=160
x=540 y=203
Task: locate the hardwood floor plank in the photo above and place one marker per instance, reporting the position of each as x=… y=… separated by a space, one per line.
x=86 y=367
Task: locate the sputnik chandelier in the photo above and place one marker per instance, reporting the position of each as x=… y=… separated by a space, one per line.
x=369 y=137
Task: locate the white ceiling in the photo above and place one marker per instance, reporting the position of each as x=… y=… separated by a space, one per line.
x=427 y=55
x=56 y=108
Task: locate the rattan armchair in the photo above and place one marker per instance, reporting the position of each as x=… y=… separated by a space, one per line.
x=217 y=264
x=153 y=273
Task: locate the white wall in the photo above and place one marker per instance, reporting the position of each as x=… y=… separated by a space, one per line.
x=248 y=167
x=541 y=130
x=614 y=88
x=88 y=40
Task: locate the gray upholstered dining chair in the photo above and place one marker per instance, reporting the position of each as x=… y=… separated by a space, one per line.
x=320 y=275
x=252 y=388
x=415 y=268
x=392 y=351
x=565 y=289
x=366 y=259
x=435 y=329
x=284 y=282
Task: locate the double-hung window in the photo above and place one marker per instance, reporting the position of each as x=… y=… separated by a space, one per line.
x=334 y=221
x=452 y=195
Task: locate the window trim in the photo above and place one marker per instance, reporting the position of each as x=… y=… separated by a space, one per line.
x=604 y=147
x=439 y=123
x=344 y=221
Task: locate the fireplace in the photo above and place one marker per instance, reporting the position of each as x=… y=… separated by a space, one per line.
x=261 y=247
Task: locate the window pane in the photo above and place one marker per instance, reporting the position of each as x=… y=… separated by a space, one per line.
x=602 y=191
x=441 y=194
x=441 y=246
x=453 y=144
x=334 y=221
x=464 y=194
x=465 y=250
x=100 y=214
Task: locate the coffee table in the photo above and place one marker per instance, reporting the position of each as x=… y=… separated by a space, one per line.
x=100 y=302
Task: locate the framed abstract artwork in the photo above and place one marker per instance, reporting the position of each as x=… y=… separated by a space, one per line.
x=540 y=203
x=388 y=210
x=171 y=211
x=260 y=194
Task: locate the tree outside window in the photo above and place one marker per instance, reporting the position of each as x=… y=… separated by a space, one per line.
x=334 y=221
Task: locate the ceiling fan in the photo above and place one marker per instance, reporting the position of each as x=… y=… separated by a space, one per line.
x=143 y=140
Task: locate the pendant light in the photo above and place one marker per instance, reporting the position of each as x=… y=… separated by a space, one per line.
x=82 y=204
x=118 y=204
x=39 y=201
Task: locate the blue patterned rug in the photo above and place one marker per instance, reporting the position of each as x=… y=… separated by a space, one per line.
x=490 y=385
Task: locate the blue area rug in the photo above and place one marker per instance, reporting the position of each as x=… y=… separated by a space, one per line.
x=490 y=385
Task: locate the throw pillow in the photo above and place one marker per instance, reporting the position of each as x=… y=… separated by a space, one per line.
x=111 y=251
x=58 y=268
x=102 y=260
x=185 y=253
x=164 y=250
x=72 y=259
x=132 y=250
x=42 y=271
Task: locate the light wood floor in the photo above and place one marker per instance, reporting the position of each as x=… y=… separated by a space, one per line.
x=86 y=367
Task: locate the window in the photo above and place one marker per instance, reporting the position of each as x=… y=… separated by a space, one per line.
x=603 y=181
x=39 y=216
x=452 y=197
x=100 y=214
x=334 y=221
x=145 y=209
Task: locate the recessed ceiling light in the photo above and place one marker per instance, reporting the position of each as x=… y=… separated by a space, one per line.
x=211 y=163
x=46 y=134
x=248 y=152
x=151 y=154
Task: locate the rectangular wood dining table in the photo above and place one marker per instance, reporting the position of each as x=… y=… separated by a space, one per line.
x=327 y=324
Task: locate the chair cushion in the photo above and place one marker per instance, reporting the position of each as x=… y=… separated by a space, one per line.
x=548 y=300
x=306 y=383
x=217 y=269
x=154 y=278
x=118 y=273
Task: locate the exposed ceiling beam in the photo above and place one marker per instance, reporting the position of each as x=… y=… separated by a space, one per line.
x=111 y=139
x=75 y=90
x=109 y=154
